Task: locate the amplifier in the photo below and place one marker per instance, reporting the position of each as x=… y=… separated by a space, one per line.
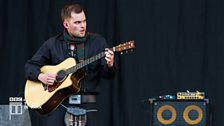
x=179 y=112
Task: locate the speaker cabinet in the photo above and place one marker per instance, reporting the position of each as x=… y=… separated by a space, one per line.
x=179 y=112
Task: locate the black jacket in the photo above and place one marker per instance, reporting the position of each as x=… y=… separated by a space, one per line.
x=55 y=50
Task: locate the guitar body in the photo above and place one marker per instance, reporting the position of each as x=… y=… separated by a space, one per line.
x=45 y=100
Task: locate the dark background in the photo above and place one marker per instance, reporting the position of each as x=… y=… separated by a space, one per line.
x=179 y=47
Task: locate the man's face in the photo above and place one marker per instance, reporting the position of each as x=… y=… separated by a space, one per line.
x=76 y=25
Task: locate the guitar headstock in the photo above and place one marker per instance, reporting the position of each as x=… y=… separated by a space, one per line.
x=130 y=45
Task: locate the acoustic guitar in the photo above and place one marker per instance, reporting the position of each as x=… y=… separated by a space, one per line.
x=45 y=98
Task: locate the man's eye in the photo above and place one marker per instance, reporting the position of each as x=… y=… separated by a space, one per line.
x=77 y=22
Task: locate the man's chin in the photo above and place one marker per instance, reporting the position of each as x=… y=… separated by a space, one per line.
x=81 y=34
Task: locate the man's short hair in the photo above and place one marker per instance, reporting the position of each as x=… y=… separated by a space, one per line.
x=68 y=9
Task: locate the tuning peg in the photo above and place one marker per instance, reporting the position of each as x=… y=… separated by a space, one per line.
x=121 y=53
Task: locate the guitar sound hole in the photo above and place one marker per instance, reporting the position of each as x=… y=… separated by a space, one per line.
x=61 y=76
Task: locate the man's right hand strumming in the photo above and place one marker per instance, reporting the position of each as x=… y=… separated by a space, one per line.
x=47 y=78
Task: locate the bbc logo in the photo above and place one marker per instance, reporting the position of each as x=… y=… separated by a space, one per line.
x=16 y=106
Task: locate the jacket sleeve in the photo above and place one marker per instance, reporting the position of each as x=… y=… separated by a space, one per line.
x=39 y=59
x=108 y=72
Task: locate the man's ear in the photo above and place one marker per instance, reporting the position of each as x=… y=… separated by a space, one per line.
x=65 y=23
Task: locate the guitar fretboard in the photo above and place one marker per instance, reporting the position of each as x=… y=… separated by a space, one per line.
x=85 y=62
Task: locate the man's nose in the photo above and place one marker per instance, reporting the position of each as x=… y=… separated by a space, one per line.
x=83 y=24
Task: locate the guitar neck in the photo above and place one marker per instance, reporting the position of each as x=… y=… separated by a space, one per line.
x=85 y=63
x=126 y=46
